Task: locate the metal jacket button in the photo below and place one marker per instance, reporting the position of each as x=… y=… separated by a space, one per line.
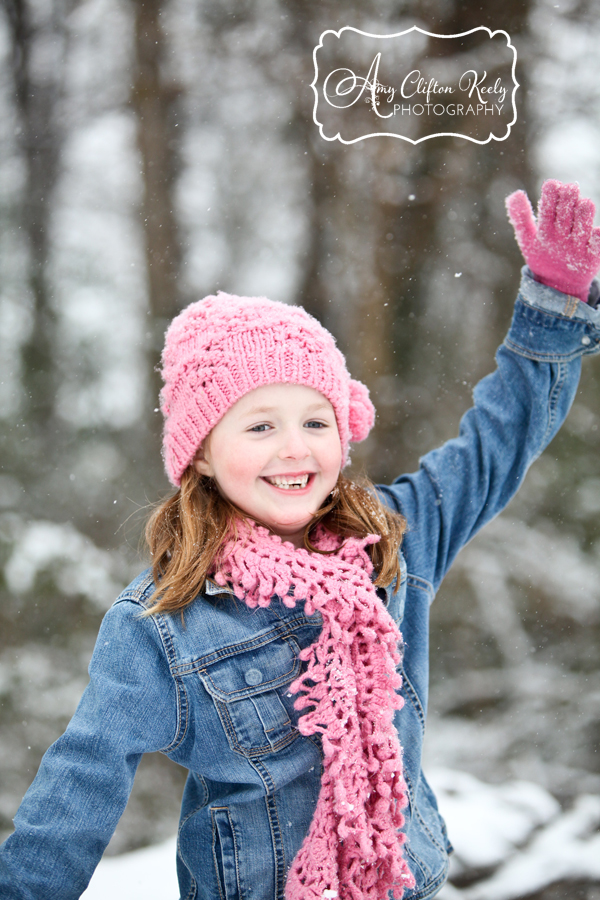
x=585 y=340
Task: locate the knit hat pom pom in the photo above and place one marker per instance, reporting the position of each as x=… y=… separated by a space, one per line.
x=361 y=414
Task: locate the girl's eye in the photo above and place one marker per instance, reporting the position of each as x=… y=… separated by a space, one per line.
x=259 y=428
x=315 y=424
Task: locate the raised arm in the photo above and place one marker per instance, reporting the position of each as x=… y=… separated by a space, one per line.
x=519 y=408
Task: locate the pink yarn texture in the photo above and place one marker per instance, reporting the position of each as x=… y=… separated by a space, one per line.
x=220 y=348
x=562 y=248
x=354 y=846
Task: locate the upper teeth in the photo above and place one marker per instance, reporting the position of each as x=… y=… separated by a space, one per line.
x=287 y=482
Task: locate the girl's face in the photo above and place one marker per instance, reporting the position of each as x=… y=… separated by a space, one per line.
x=276 y=454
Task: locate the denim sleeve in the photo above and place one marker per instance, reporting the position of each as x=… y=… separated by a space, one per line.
x=69 y=813
x=516 y=412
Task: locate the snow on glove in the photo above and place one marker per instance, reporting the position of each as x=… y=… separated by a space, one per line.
x=562 y=248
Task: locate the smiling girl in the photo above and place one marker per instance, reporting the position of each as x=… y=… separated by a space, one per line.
x=276 y=455
x=278 y=647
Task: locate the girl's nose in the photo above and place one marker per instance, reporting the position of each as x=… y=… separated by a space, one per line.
x=294 y=446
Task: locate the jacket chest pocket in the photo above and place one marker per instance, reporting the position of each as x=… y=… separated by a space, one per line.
x=245 y=690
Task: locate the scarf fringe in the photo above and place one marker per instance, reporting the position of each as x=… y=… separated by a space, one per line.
x=353 y=849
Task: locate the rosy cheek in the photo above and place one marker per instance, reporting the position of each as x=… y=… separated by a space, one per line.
x=335 y=457
x=237 y=472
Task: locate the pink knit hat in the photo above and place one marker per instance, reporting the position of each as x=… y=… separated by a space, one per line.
x=222 y=347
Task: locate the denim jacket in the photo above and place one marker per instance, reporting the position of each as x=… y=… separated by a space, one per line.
x=212 y=691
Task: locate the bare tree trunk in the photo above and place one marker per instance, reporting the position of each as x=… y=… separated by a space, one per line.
x=154 y=101
x=40 y=138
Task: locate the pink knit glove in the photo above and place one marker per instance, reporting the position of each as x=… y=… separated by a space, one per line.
x=563 y=247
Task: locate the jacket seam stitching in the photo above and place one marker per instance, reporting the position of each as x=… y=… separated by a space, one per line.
x=413 y=808
x=215 y=832
x=193 y=812
x=270 y=791
x=264 y=686
x=279 y=631
x=280 y=885
x=567 y=356
x=235 y=852
x=426 y=586
x=426 y=872
x=182 y=716
x=553 y=399
x=250 y=752
x=412 y=697
x=417 y=813
x=546 y=310
x=568 y=308
x=431 y=888
x=181 y=693
x=169 y=651
x=192 y=891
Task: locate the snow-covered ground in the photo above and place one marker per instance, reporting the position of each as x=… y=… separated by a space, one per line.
x=516 y=831
x=147 y=874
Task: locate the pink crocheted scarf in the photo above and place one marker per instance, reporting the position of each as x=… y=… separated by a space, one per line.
x=354 y=848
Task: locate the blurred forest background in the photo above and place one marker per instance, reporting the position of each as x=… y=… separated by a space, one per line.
x=154 y=151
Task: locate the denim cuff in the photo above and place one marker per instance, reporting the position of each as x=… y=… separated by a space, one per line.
x=545 y=297
x=549 y=326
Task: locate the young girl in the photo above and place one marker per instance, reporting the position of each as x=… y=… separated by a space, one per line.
x=263 y=651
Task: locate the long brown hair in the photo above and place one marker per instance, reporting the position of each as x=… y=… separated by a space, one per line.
x=186 y=532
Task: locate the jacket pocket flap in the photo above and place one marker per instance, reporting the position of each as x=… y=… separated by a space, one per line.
x=253 y=672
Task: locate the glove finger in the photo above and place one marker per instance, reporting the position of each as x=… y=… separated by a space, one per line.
x=565 y=209
x=547 y=208
x=593 y=247
x=520 y=214
x=583 y=220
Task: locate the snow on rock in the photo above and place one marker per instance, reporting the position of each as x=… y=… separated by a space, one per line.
x=486 y=822
x=77 y=565
x=519 y=828
x=147 y=874
x=565 y=850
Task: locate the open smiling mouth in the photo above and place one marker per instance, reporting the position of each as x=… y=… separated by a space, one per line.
x=290 y=482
